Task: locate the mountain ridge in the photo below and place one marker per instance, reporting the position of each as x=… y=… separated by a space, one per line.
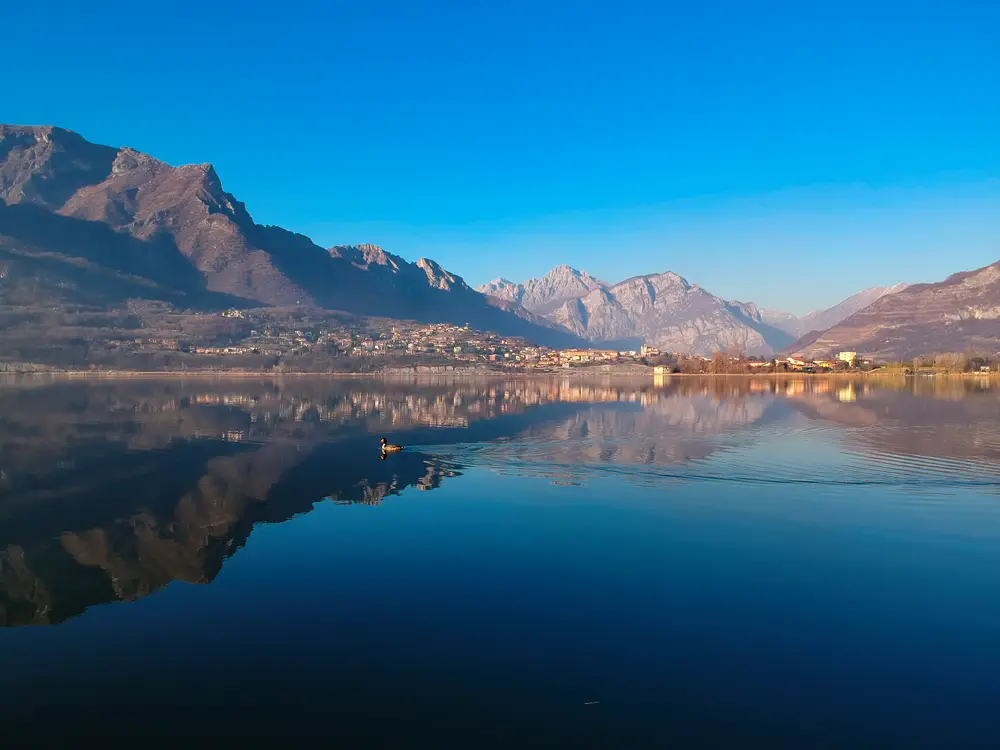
x=65 y=201
x=546 y=293
x=958 y=314
x=657 y=309
x=701 y=322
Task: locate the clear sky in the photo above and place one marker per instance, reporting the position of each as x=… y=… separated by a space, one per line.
x=788 y=153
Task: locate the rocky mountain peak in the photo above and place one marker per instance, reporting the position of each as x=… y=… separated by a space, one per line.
x=41 y=134
x=439 y=278
x=563 y=269
x=366 y=254
x=669 y=279
x=546 y=293
x=566 y=273
x=44 y=165
x=747 y=309
x=503 y=289
x=130 y=160
x=425 y=270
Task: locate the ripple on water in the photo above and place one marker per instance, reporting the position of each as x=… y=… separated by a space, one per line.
x=816 y=454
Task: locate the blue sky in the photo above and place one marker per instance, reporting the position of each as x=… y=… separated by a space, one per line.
x=788 y=153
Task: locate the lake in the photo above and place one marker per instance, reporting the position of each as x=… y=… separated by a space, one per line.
x=729 y=562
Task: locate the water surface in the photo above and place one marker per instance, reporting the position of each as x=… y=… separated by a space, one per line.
x=723 y=562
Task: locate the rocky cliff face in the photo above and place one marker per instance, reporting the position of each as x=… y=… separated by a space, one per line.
x=958 y=314
x=662 y=310
x=666 y=311
x=46 y=166
x=393 y=269
x=190 y=232
x=82 y=222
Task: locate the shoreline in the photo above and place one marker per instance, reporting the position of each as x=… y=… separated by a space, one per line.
x=462 y=373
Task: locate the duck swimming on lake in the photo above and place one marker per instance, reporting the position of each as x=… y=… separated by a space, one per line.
x=388 y=447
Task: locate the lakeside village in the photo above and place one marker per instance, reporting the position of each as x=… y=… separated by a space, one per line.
x=327 y=345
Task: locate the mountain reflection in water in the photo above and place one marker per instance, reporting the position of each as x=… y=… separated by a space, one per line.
x=110 y=490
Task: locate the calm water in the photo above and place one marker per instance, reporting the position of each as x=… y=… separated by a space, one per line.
x=690 y=563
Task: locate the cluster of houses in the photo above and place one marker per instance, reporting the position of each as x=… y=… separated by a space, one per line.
x=462 y=344
x=842 y=360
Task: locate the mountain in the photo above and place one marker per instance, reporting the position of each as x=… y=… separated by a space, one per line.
x=666 y=311
x=957 y=314
x=395 y=270
x=545 y=294
x=84 y=223
x=824 y=319
x=783 y=321
x=662 y=310
x=821 y=320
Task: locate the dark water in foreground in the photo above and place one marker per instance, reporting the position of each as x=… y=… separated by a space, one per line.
x=696 y=563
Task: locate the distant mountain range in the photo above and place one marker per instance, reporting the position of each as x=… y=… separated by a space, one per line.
x=666 y=311
x=89 y=225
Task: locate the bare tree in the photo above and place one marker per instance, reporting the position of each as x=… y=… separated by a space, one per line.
x=952 y=361
x=720 y=362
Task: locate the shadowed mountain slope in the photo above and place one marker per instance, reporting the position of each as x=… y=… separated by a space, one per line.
x=140 y=227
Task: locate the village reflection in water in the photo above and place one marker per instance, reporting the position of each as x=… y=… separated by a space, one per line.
x=110 y=490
